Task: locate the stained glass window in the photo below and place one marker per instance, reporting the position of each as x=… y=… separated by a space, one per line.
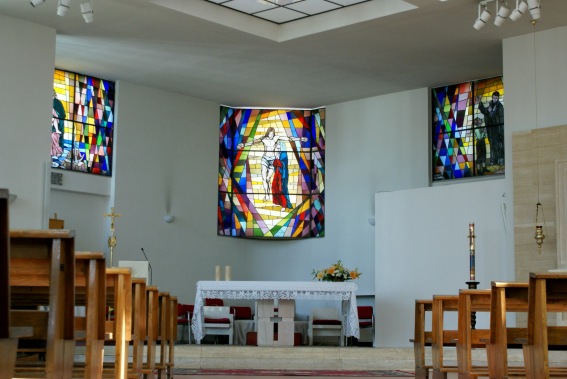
x=468 y=129
x=271 y=173
x=83 y=123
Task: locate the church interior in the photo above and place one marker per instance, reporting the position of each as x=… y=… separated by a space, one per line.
x=371 y=65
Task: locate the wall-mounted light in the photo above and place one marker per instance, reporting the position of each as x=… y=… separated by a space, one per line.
x=168 y=218
x=483 y=16
x=521 y=8
x=502 y=12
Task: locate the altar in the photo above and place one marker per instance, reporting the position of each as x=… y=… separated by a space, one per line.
x=265 y=290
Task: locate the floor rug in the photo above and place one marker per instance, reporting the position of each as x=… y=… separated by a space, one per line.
x=337 y=373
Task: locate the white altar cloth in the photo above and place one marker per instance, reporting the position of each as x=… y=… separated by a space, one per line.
x=252 y=290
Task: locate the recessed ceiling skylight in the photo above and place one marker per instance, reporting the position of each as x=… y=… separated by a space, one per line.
x=282 y=11
x=284 y=20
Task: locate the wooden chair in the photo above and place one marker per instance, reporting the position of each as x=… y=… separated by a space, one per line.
x=242 y=313
x=42 y=273
x=218 y=321
x=184 y=315
x=325 y=322
x=366 y=322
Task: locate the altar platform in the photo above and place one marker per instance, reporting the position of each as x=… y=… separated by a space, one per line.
x=293 y=358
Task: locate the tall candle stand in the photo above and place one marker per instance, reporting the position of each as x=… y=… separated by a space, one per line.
x=112 y=238
x=472 y=283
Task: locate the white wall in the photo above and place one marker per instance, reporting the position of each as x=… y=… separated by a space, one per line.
x=170 y=151
x=422 y=248
x=525 y=75
x=26 y=77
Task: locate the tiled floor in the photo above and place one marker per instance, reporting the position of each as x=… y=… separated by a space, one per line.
x=257 y=377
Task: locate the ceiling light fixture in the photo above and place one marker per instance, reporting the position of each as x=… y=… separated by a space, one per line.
x=502 y=12
x=63 y=7
x=36 y=3
x=534 y=9
x=87 y=11
x=521 y=8
x=483 y=16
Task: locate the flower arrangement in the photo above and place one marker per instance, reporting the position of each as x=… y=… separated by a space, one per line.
x=336 y=273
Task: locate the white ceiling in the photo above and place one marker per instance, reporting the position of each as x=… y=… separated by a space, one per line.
x=228 y=62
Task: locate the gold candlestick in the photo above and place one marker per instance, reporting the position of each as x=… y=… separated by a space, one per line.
x=471 y=252
x=112 y=238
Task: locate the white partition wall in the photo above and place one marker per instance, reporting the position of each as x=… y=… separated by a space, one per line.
x=422 y=249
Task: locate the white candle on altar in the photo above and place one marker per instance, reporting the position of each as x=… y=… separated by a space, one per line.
x=217 y=272
x=227 y=273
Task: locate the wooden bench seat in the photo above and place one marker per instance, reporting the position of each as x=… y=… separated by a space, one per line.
x=513 y=297
x=42 y=262
x=422 y=337
x=441 y=337
x=9 y=334
x=547 y=292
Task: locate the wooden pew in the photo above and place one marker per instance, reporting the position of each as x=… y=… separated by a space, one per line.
x=544 y=289
x=8 y=334
x=152 y=293
x=471 y=300
x=172 y=331
x=421 y=337
x=42 y=272
x=139 y=335
x=440 y=337
x=164 y=332
x=119 y=297
x=90 y=288
x=505 y=297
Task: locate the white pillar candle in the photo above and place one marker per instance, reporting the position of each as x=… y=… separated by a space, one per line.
x=227 y=273
x=217 y=272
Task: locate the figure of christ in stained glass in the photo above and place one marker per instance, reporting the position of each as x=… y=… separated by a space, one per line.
x=268 y=182
x=273 y=150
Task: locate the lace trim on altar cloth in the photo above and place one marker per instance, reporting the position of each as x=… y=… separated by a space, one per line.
x=274 y=294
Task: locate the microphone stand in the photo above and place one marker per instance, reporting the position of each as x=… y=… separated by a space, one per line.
x=149 y=264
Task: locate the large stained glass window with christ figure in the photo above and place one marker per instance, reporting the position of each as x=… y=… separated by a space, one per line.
x=468 y=129
x=271 y=173
x=82 y=125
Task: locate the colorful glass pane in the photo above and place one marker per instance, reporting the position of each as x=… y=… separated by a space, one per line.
x=83 y=123
x=468 y=129
x=271 y=173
